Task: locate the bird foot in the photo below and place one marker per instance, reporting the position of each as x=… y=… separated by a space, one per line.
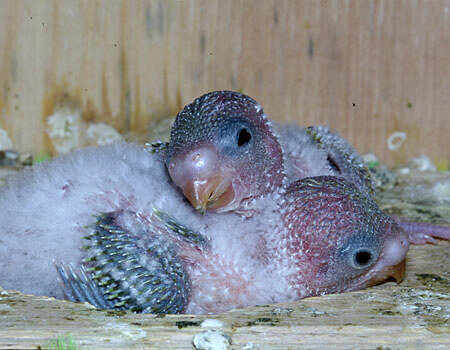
x=422 y=232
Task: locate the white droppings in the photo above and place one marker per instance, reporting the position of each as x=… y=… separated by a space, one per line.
x=211 y=323
x=68 y=131
x=436 y=192
x=63 y=129
x=404 y=171
x=422 y=163
x=127 y=330
x=211 y=340
x=101 y=134
x=396 y=139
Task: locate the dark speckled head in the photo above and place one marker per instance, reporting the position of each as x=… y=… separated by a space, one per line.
x=339 y=237
x=223 y=150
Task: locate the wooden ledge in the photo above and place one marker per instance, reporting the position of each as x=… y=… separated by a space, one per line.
x=412 y=315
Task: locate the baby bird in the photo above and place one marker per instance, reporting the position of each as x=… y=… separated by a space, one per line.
x=121 y=236
x=223 y=151
x=319 y=151
x=107 y=225
x=346 y=162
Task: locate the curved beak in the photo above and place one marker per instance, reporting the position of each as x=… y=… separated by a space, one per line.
x=204 y=179
x=211 y=194
x=397 y=272
x=392 y=264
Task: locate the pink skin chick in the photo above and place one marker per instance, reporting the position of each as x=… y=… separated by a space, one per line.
x=223 y=151
x=322 y=235
x=331 y=238
x=145 y=249
x=343 y=161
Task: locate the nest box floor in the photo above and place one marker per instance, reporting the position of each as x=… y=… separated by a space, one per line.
x=412 y=315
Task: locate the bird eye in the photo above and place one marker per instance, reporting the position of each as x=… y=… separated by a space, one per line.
x=362 y=258
x=244 y=137
x=333 y=164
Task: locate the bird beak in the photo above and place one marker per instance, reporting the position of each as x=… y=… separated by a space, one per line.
x=397 y=272
x=204 y=179
x=392 y=264
x=210 y=194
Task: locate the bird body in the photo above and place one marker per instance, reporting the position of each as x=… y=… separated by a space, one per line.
x=316 y=151
x=238 y=170
x=122 y=236
x=224 y=152
x=48 y=210
x=108 y=226
x=45 y=210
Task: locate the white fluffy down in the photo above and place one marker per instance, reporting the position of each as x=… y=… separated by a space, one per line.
x=302 y=158
x=44 y=212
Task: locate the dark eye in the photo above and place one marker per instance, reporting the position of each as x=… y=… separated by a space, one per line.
x=333 y=164
x=244 y=137
x=362 y=258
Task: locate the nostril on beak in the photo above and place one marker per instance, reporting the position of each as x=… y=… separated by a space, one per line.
x=197 y=165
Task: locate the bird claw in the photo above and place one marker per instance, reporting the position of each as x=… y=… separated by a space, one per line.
x=422 y=232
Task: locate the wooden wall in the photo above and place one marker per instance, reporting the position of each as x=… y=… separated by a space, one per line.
x=365 y=68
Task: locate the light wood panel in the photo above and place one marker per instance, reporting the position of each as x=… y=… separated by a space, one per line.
x=413 y=315
x=365 y=68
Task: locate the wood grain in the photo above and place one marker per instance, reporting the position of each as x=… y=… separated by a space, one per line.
x=365 y=68
x=412 y=315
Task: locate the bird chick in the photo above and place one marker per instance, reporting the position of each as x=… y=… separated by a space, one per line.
x=123 y=237
x=323 y=236
x=315 y=151
x=223 y=151
x=45 y=210
x=342 y=160
x=339 y=238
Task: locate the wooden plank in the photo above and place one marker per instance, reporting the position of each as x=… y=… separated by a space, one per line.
x=365 y=68
x=412 y=315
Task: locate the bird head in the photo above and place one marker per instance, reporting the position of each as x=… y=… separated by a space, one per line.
x=222 y=150
x=338 y=237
